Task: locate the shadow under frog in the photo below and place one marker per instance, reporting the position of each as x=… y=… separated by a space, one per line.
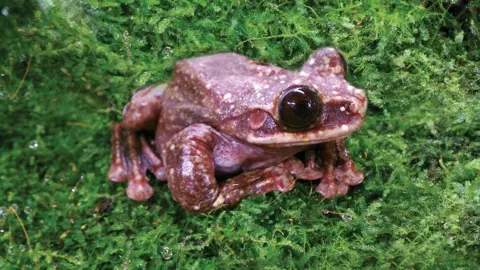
x=226 y=114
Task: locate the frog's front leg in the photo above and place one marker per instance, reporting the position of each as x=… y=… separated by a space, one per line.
x=310 y=169
x=339 y=170
x=190 y=168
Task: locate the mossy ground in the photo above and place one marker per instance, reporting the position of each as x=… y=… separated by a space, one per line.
x=68 y=67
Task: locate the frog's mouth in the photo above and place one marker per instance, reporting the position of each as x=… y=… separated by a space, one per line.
x=305 y=138
x=339 y=119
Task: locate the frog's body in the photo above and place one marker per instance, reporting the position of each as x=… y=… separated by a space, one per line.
x=225 y=113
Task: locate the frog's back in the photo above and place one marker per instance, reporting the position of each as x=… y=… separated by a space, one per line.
x=210 y=76
x=225 y=83
x=213 y=88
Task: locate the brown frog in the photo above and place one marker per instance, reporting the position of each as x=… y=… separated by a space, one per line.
x=254 y=125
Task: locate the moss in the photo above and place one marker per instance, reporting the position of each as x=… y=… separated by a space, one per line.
x=68 y=67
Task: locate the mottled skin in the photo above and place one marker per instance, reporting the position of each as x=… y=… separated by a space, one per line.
x=219 y=117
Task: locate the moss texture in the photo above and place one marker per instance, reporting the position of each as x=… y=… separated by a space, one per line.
x=68 y=67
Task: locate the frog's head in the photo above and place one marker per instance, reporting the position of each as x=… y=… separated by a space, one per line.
x=312 y=106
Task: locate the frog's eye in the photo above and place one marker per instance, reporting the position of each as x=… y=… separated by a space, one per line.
x=343 y=62
x=299 y=107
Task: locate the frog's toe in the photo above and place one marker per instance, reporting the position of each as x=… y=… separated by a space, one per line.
x=348 y=174
x=337 y=182
x=139 y=190
x=117 y=173
x=307 y=170
x=339 y=171
x=331 y=189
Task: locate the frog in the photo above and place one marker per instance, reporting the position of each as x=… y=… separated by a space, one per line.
x=226 y=127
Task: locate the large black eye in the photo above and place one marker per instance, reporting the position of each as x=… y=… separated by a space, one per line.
x=299 y=107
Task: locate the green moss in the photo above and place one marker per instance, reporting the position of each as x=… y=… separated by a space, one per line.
x=420 y=146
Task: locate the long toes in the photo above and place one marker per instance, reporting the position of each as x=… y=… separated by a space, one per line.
x=139 y=190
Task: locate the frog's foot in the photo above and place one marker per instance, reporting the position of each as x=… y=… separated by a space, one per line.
x=339 y=170
x=132 y=155
x=257 y=182
x=307 y=170
x=190 y=172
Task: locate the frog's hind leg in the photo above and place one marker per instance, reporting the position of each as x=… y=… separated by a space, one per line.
x=132 y=150
x=340 y=171
x=132 y=155
x=190 y=168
